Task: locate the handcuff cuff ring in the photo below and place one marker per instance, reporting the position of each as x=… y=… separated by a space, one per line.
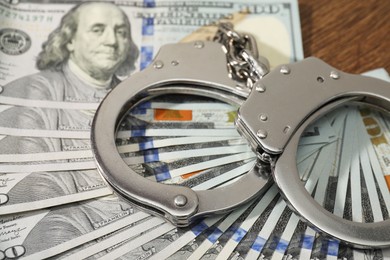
x=204 y=71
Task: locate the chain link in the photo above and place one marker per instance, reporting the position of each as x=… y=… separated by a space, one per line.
x=242 y=54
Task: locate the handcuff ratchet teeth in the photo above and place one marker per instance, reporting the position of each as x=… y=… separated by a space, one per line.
x=275 y=108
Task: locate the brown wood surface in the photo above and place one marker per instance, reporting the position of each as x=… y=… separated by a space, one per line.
x=353 y=36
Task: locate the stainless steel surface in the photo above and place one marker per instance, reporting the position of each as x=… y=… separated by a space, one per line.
x=272 y=119
x=285 y=70
x=290 y=98
x=360 y=235
x=322 y=88
x=191 y=75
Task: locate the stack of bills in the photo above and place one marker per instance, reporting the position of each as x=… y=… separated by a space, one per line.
x=55 y=204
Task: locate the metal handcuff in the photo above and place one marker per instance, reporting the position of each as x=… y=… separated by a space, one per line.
x=275 y=108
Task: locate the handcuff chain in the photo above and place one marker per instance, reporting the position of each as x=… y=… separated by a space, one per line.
x=242 y=54
x=244 y=65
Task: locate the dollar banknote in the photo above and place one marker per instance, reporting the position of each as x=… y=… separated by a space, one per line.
x=80 y=121
x=111 y=228
x=185 y=151
x=64 y=227
x=110 y=242
x=36 y=190
x=161 y=171
x=160 y=244
x=153 y=24
x=214 y=176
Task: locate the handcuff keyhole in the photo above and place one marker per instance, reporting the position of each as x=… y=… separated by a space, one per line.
x=320 y=79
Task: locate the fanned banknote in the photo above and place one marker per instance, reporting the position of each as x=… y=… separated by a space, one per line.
x=47 y=232
x=53 y=202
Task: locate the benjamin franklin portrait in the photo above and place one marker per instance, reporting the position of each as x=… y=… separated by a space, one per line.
x=81 y=61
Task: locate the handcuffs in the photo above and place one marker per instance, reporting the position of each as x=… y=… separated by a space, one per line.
x=275 y=108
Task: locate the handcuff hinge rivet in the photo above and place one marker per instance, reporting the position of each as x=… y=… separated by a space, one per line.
x=285 y=70
x=334 y=74
x=158 y=64
x=199 y=44
x=262 y=134
x=180 y=200
x=263 y=117
x=260 y=88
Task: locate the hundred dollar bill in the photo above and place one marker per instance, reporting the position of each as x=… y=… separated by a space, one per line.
x=191 y=146
x=157 y=240
x=241 y=229
x=29 y=191
x=138 y=247
x=131 y=122
x=152 y=24
x=69 y=124
x=84 y=134
x=25 y=150
x=251 y=237
x=366 y=197
x=181 y=102
x=112 y=241
x=299 y=238
x=355 y=168
x=179 y=132
x=154 y=155
x=149 y=157
x=345 y=165
x=162 y=171
x=62 y=228
x=196 y=252
x=318 y=132
x=47 y=156
x=79 y=120
x=233 y=230
x=262 y=242
x=227 y=177
x=298 y=241
x=333 y=184
x=178 y=248
x=186 y=151
x=26 y=147
x=377 y=132
x=283 y=241
x=274 y=243
x=358 y=187
x=195 y=231
x=183 y=238
x=48 y=167
x=305 y=166
x=215 y=175
x=223 y=117
x=144 y=143
x=45 y=118
x=145 y=156
x=25 y=102
x=288 y=222
x=314 y=246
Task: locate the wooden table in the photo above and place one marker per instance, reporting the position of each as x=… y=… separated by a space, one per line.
x=353 y=36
